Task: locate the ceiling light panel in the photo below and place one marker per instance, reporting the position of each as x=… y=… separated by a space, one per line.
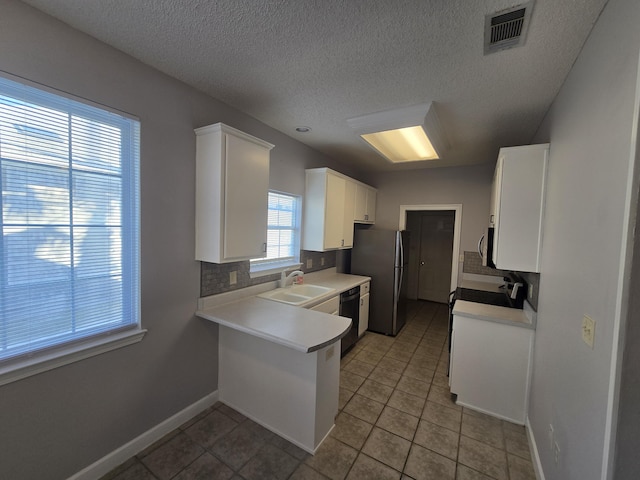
x=403 y=135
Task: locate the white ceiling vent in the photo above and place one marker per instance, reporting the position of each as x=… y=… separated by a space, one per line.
x=507 y=29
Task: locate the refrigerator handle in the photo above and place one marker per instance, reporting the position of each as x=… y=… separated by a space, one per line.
x=480 y=246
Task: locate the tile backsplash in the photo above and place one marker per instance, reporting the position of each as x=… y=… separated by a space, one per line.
x=473 y=264
x=216 y=278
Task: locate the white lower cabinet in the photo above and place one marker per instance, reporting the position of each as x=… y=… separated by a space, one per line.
x=363 y=315
x=490 y=367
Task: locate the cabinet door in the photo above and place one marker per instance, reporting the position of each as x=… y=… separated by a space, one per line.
x=334 y=211
x=520 y=208
x=246 y=196
x=365 y=208
x=360 y=209
x=370 y=215
x=363 y=316
x=349 y=210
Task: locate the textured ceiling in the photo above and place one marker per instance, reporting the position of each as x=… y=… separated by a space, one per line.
x=319 y=62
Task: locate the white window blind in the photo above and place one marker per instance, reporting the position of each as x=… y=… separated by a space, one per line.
x=283 y=232
x=70 y=218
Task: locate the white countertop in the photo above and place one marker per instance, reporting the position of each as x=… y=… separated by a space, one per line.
x=492 y=313
x=295 y=327
x=298 y=328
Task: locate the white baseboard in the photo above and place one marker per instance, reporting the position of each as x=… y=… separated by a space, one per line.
x=128 y=450
x=533 y=447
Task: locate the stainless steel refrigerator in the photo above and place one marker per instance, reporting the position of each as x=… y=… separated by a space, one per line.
x=382 y=255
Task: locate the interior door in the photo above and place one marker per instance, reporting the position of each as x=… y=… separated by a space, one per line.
x=436 y=255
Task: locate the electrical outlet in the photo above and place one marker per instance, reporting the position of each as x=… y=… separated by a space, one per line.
x=530 y=295
x=588 y=330
x=309 y=262
x=461 y=259
x=322 y=261
x=233 y=277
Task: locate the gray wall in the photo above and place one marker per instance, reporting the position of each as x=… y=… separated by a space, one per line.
x=469 y=186
x=592 y=141
x=56 y=423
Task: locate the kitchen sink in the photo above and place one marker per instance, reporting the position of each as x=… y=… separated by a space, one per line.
x=296 y=294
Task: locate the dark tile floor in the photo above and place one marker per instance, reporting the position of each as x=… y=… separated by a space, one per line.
x=396 y=421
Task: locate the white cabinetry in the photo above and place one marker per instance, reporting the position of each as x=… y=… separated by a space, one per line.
x=490 y=367
x=517 y=207
x=232 y=184
x=328 y=211
x=365 y=205
x=363 y=315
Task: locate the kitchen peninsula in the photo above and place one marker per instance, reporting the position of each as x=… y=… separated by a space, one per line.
x=278 y=364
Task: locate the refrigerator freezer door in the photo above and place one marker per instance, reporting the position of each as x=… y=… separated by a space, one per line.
x=376 y=253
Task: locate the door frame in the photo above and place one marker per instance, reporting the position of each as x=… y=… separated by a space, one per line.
x=457 y=227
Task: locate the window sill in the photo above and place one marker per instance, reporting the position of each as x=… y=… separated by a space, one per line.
x=272 y=268
x=90 y=348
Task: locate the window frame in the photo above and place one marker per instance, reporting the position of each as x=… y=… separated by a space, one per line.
x=260 y=267
x=41 y=359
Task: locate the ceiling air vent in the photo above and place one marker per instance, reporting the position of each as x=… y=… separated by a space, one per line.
x=507 y=29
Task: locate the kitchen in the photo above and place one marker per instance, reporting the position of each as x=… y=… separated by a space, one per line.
x=114 y=397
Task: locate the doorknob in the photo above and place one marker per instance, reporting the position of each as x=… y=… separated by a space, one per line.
x=422 y=264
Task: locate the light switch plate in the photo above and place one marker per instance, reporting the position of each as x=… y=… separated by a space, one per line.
x=588 y=330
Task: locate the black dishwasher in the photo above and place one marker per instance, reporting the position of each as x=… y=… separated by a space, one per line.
x=350 y=308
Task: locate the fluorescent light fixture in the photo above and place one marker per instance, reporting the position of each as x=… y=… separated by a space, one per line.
x=403 y=135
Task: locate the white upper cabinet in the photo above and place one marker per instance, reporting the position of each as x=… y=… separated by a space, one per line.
x=365 y=207
x=517 y=204
x=350 y=188
x=329 y=205
x=232 y=188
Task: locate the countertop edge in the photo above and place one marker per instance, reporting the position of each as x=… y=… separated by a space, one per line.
x=213 y=314
x=459 y=309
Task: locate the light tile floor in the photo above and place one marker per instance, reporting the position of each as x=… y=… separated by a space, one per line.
x=396 y=420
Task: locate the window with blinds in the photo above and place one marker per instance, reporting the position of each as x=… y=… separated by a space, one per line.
x=283 y=233
x=70 y=222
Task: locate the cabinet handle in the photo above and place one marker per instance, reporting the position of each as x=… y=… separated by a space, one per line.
x=342 y=243
x=264 y=247
x=491 y=218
